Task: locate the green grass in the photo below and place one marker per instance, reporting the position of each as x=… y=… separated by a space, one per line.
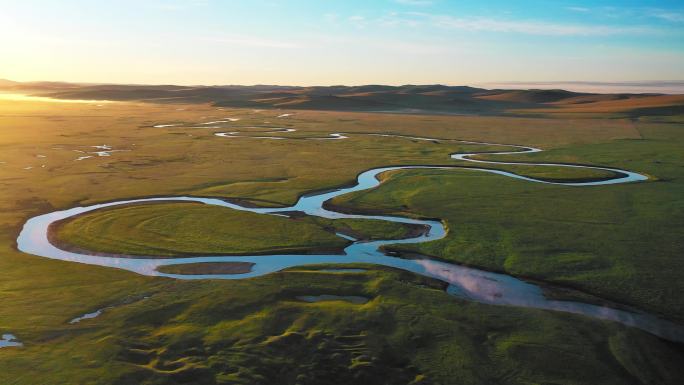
x=256 y=331
x=370 y=229
x=208 y=268
x=173 y=229
x=621 y=242
x=181 y=229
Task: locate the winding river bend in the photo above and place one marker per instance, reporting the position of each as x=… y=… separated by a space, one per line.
x=464 y=282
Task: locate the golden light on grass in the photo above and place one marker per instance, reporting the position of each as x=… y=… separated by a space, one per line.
x=29 y=98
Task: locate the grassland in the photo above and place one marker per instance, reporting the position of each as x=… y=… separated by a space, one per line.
x=185 y=228
x=182 y=229
x=208 y=268
x=620 y=242
x=256 y=331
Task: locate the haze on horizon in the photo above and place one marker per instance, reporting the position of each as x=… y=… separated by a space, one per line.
x=306 y=42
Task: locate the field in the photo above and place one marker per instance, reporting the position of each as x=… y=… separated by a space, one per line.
x=617 y=243
x=620 y=242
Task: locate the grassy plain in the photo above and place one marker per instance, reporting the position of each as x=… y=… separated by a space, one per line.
x=175 y=229
x=181 y=229
x=256 y=331
x=620 y=242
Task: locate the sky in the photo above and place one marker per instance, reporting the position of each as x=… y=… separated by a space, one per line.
x=327 y=42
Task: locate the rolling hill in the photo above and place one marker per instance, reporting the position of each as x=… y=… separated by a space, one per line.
x=434 y=99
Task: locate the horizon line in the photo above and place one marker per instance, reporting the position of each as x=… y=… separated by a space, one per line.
x=672 y=87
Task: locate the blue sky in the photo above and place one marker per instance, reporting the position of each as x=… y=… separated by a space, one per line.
x=306 y=42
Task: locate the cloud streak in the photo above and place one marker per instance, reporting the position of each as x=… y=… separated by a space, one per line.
x=251 y=41
x=577 y=9
x=178 y=5
x=414 y=2
x=631 y=13
x=528 y=27
x=671 y=16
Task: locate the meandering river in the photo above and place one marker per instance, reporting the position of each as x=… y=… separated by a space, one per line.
x=464 y=282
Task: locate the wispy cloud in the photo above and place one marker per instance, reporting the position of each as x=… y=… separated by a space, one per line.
x=414 y=2
x=377 y=45
x=178 y=5
x=672 y=16
x=251 y=41
x=331 y=18
x=529 y=27
x=394 y=19
x=358 y=21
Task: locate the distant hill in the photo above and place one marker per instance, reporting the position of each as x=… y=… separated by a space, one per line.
x=435 y=98
x=529 y=96
x=7 y=83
